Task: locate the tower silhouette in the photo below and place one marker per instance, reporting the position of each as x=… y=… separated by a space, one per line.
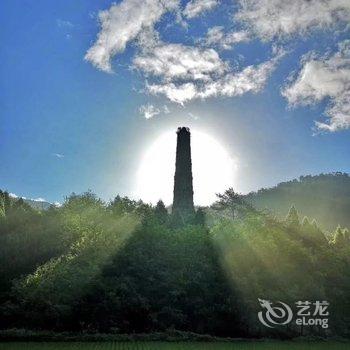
x=183 y=207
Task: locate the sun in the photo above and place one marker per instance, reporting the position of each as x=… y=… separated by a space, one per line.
x=213 y=169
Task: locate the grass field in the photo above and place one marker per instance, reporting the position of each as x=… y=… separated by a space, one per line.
x=176 y=346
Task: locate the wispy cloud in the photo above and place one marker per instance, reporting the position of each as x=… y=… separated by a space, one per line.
x=196 y=7
x=323 y=78
x=270 y=19
x=40 y=199
x=64 y=23
x=193 y=116
x=123 y=23
x=197 y=70
x=66 y=27
x=217 y=37
x=58 y=155
x=179 y=72
x=191 y=80
x=166 y=109
x=148 y=111
x=13 y=195
x=177 y=61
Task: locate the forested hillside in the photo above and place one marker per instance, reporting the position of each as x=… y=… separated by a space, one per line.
x=127 y=267
x=324 y=197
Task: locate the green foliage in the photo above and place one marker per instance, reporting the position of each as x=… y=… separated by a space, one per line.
x=229 y=200
x=341 y=238
x=200 y=217
x=124 y=267
x=292 y=218
x=325 y=197
x=305 y=224
x=263 y=259
x=161 y=212
x=2 y=209
x=161 y=279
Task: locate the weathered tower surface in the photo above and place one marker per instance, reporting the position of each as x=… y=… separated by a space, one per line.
x=183 y=189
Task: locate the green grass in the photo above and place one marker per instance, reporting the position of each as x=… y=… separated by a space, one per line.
x=177 y=346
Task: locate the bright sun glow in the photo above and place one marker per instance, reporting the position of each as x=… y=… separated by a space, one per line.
x=212 y=167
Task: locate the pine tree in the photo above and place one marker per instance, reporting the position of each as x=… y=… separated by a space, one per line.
x=292 y=218
x=341 y=237
x=312 y=232
x=306 y=223
x=161 y=212
x=2 y=207
x=7 y=202
x=200 y=217
x=229 y=200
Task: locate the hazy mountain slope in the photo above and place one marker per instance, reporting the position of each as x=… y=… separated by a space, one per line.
x=325 y=197
x=9 y=199
x=39 y=205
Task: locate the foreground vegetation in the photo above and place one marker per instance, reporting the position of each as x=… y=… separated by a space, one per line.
x=178 y=346
x=126 y=267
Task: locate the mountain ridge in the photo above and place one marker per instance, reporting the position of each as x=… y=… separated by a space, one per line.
x=324 y=197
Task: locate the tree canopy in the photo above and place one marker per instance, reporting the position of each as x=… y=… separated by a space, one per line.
x=123 y=267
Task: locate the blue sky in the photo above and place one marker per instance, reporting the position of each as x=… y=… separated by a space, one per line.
x=70 y=123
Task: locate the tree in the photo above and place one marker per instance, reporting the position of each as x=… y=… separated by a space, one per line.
x=229 y=200
x=341 y=237
x=305 y=224
x=6 y=201
x=312 y=232
x=122 y=205
x=2 y=207
x=96 y=267
x=200 y=217
x=292 y=218
x=161 y=212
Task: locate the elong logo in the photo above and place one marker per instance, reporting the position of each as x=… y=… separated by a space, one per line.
x=274 y=315
x=280 y=313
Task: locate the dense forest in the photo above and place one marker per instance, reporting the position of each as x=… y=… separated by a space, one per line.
x=325 y=197
x=127 y=267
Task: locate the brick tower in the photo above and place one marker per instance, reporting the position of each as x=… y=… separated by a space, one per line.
x=183 y=207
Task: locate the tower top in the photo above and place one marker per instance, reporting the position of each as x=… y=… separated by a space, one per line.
x=183 y=129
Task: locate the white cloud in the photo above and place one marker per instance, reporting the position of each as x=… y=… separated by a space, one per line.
x=58 y=155
x=166 y=109
x=39 y=199
x=176 y=93
x=193 y=116
x=13 y=195
x=177 y=61
x=217 y=37
x=148 y=39
x=279 y=18
x=325 y=78
x=184 y=86
x=122 y=23
x=250 y=79
x=148 y=111
x=180 y=72
x=195 y=7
